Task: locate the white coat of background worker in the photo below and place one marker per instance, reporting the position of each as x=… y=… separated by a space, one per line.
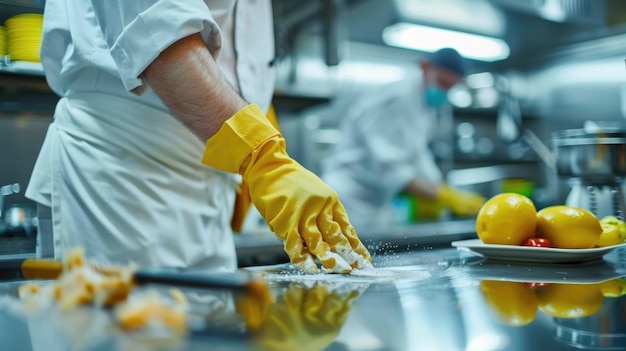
x=384 y=147
x=160 y=118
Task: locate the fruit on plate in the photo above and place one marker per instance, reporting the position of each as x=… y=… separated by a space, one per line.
x=506 y=219
x=514 y=303
x=613 y=287
x=568 y=227
x=610 y=235
x=538 y=242
x=617 y=222
x=570 y=300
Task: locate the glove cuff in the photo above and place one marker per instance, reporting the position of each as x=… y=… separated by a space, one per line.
x=237 y=138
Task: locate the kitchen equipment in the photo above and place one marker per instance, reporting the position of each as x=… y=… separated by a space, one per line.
x=591 y=153
x=20 y=218
x=48 y=269
x=602 y=198
x=7 y=190
x=593 y=160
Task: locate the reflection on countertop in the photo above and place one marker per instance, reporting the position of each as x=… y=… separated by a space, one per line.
x=438 y=299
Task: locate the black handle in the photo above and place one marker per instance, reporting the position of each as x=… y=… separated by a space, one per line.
x=209 y=280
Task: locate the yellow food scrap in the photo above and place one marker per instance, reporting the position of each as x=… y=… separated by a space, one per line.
x=178 y=296
x=149 y=309
x=75 y=259
x=27 y=290
x=82 y=283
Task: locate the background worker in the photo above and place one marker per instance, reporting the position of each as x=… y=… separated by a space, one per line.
x=384 y=150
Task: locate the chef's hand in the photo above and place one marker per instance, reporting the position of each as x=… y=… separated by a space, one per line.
x=298 y=206
x=461 y=202
x=305 y=318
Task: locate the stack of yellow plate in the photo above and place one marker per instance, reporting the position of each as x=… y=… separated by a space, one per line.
x=3 y=41
x=23 y=34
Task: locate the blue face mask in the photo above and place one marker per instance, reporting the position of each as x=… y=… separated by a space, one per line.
x=435 y=96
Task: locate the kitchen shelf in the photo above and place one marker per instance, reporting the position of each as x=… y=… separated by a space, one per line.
x=20 y=67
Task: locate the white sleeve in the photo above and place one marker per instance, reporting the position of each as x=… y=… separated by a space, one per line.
x=137 y=31
x=387 y=141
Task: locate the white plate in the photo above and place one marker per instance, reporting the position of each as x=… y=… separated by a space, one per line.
x=533 y=254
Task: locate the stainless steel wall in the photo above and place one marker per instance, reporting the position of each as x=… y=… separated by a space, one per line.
x=21 y=136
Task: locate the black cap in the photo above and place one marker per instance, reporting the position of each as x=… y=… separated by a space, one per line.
x=450 y=59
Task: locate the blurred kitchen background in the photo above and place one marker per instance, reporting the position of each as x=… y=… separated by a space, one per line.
x=554 y=64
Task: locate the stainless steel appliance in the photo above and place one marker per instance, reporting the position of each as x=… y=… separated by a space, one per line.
x=18 y=226
x=7 y=190
x=593 y=159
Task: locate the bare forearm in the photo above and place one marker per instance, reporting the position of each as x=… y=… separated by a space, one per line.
x=420 y=187
x=189 y=82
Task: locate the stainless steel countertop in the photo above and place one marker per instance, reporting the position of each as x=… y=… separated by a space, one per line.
x=428 y=299
x=264 y=248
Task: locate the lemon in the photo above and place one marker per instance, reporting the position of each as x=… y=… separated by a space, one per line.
x=514 y=303
x=613 y=288
x=506 y=219
x=610 y=219
x=568 y=227
x=620 y=224
x=570 y=300
x=610 y=235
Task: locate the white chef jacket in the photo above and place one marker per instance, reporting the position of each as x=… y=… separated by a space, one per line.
x=122 y=176
x=384 y=144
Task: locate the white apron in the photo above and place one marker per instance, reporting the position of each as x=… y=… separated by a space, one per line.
x=124 y=181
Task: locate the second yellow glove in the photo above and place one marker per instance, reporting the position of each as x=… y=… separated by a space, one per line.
x=461 y=202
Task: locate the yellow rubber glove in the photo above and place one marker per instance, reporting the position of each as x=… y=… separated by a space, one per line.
x=305 y=318
x=253 y=305
x=426 y=209
x=461 y=202
x=242 y=200
x=298 y=206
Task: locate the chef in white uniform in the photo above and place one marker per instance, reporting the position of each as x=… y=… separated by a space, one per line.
x=384 y=148
x=160 y=119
